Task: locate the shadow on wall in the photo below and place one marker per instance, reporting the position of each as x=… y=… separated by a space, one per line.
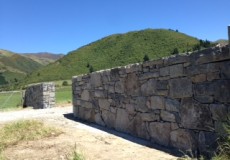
x=126 y=136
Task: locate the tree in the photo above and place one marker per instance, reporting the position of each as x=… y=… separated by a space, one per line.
x=146 y=58
x=91 y=69
x=175 y=51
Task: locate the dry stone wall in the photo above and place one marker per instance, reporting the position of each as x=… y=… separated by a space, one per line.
x=179 y=101
x=40 y=96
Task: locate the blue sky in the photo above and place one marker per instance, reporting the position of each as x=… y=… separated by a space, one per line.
x=60 y=26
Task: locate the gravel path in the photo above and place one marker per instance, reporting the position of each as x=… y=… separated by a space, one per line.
x=96 y=143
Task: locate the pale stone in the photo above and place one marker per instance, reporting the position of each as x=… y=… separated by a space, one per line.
x=157 y=102
x=149 y=117
x=132 y=85
x=99 y=120
x=160 y=132
x=108 y=118
x=99 y=94
x=95 y=80
x=122 y=120
x=104 y=104
x=167 y=116
x=119 y=87
x=85 y=95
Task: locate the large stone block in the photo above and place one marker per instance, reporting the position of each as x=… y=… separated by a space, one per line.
x=164 y=71
x=222 y=91
x=140 y=104
x=108 y=118
x=183 y=139
x=172 y=105
x=122 y=120
x=104 y=104
x=225 y=71
x=157 y=102
x=167 y=116
x=132 y=85
x=180 y=88
x=95 y=79
x=160 y=132
x=119 y=87
x=149 y=87
x=195 y=115
x=85 y=95
x=176 y=70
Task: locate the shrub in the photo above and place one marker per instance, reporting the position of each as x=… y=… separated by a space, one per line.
x=65 y=83
x=175 y=51
x=146 y=58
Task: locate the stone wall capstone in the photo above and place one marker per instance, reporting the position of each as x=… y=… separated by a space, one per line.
x=40 y=96
x=179 y=101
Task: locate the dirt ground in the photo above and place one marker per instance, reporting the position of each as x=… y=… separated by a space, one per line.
x=94 y=142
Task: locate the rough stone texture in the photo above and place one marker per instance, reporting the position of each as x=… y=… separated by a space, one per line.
x=180 y=101
x=40 y=96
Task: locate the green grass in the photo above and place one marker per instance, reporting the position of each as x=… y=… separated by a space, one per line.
x=10 y=100
x=115 y=50
x=63 y=95
x=24 y=130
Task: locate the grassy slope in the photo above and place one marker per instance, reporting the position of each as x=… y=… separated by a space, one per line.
x=14 y=66
x=115 y=50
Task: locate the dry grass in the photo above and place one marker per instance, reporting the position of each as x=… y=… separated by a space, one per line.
x=24 y=130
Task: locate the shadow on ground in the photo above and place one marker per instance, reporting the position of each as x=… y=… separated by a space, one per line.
x=126 y=136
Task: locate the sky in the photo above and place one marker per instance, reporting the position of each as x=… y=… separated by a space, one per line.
x=60 y=26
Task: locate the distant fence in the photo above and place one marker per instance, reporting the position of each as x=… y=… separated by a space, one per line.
x=11 y=99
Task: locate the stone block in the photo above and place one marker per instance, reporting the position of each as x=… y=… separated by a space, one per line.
x=95 y=79
x=204 y=89
x=130 y=109
x=138 y=127
x=202 y=69
x=132 y=85
x=149 y=87
x=167 y=116
x=122 y=120
x=104 y=104
x=225 y=71
x=98 y=119
x=172 y=105
x=176 y=70
x=219 y=112
x=222 y=91
x=119 y=87
x=140 y=104
x=199 y=78
x=108 y=118
x=85 y=95
x=213 y=76
x=204 y=99
x=183 y=139
x=164 y=71
x=180 y=88
x=99 y=94
x=160 y=133
x=162 y=85
x=149 y=117
x=157 y=102
x=195 y=115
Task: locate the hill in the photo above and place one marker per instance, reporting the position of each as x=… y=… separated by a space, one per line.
x=115 y=50
x=14 y=67
x=43 y=58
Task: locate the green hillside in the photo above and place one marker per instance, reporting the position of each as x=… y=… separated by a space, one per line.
x=115 y=50
x=14 y=67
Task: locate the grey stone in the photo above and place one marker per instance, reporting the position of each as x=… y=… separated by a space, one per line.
x=108 y=118
x=149 y=117
x=148 y=88
x=149 y=75
x=167 y=116
x=157 y=102
x=86 y=114
x=104 y=104
x=119 y=87
x=202 y=69
x=162 y=85
x=141 y=105
x=122 y=120
x=86 y=104
x=219 y=112
x=174 y=126
x=172 y=105
x=213 y=76
x=176 y=70
x=204 y=89
x=99 y=120
x=85 y=95
x=207 y=143
x=132 y=85
x=180 y=88
x=183 y=139
x=95 y=80
x=164 y=71
x=222 y=91
x=225 y=72
x=160 y=132
x=99 y=94
x=195 y=115
x=130 y=109
x=204 y=99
